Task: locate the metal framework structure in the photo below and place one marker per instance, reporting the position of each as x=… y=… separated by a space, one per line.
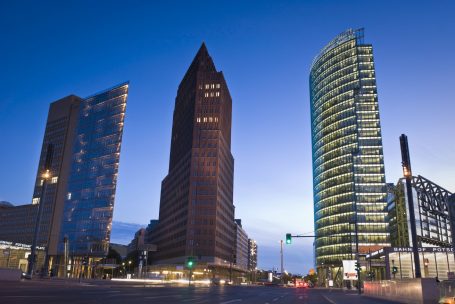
x=433 y=198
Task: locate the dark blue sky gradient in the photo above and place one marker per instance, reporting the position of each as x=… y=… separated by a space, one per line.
x=50 y=49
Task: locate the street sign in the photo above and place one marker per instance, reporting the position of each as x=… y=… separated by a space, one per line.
x=349 y=272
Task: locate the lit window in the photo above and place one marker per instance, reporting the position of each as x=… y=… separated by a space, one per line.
x=216 y=119
x=35 y=201
x=218 y=86
x=212 y=86
x=54 y=180
x=210 y=119
x=206 y=86
x=68 y=196
x=205 y=119
x=211 y=94
x=198 y=119
x=217 y=94
x=41 y=182
x=206 y=94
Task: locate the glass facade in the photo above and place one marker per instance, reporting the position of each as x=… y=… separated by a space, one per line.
x=432 y=216
x=89 y=201
x=348 y=165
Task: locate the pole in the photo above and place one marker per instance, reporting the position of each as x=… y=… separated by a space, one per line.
x=32 y=256
x=9 y=256
x=45 y=176
x=407 y=172
x=65 y=258
x=282 y=267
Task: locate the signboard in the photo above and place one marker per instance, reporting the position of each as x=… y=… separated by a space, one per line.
x=349 y=272
x=419 y=249
x=330 y=283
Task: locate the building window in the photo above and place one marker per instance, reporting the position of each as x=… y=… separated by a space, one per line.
x=198 y=119
x=212 y=86
x=68 y=196
x=217 y=94
x=218 y=86
x=211 y=94
x=54 y=180
x=206 y=94
x=216 y=119
x=35 y=201
x=207 y=86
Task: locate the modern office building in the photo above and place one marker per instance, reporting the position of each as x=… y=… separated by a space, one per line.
x=431 y=204
x=17 y=223
x=431 y=212
x=83 y=138
x=252 y=255
x=348 y=165
x=241 y=246
x=196 y=216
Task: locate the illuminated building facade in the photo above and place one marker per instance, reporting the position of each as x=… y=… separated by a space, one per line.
x=252 y=255
x=196 y=216
x=241 y=246
x=431 y=212
x=78 y=199
x=90 y=193
x=348 y=166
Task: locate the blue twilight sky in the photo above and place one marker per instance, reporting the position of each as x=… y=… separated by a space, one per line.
x=50 y=49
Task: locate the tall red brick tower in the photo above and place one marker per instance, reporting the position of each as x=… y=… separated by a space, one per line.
x=196 y=208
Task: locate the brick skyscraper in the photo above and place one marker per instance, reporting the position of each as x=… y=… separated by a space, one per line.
x=196 y=209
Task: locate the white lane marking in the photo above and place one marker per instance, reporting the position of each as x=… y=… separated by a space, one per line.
x=331 y=301
x=232 y=301
x=159 y=297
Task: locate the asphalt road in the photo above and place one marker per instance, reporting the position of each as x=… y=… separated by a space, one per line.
x=105 y=292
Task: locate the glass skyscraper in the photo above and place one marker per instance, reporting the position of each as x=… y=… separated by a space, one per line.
x=90 y=195
x=348 y=165
x=84 y=137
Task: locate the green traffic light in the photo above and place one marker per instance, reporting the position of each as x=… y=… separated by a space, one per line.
x=190 y=262
x=288 y=238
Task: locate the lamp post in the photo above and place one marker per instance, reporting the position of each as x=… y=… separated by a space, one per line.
x=65 y=243
x=129 y=267
x=46 y=175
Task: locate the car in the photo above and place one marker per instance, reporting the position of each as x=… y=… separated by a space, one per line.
x=301 y=284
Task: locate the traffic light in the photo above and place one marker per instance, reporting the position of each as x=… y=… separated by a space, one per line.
x=394 y=269
x=288 y=238
x=190 y=262
x=357 y=267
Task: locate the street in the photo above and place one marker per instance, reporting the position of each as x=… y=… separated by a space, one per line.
x=107 y=292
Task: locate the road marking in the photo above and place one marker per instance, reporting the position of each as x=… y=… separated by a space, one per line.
x=28 y=296
x=232 y=301
x=331 y=301
x=158 y=297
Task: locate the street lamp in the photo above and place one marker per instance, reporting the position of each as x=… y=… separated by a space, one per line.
x=129 y=266
x=45 y=175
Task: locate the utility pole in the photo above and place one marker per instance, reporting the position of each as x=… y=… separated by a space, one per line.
x=45 y=175
x=407 y=172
